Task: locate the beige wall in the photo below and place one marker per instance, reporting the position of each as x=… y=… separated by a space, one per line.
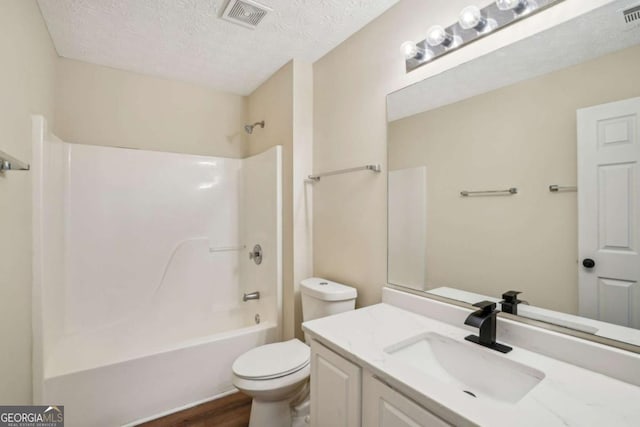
x=27 y=85
x=350 y=86
x=103 y=106
x=524 y=136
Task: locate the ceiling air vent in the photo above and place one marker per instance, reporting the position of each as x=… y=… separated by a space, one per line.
x=632 y=15
x=247 y=13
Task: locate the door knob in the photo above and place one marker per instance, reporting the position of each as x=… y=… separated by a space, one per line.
x=588 y=263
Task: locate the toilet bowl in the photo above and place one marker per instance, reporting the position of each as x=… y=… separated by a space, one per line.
x=276 y=375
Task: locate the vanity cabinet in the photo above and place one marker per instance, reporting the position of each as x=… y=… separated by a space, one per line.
x=383 y=406
x=336 y=389
x=343 y=396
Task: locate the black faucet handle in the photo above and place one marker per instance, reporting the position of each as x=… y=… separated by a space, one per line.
x=511 y=297
x=486 y=306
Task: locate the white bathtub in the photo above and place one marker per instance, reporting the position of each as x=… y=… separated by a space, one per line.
x=125 y=373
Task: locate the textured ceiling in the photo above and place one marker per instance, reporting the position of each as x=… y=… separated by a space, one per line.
x=186 y=40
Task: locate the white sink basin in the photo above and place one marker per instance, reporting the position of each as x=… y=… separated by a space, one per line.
x=475 y=370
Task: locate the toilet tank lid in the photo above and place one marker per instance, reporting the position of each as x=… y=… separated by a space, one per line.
x=327 y=290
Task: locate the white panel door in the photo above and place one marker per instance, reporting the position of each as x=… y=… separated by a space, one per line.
x=335 y=389
x=609 y=212
x=385 y=407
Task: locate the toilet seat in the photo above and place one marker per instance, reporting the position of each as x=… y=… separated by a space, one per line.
x=272 y=361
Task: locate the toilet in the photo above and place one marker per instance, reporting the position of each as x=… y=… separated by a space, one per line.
x=276 y=375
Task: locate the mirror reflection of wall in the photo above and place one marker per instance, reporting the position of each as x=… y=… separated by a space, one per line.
x=407 y=227
x=521 y=136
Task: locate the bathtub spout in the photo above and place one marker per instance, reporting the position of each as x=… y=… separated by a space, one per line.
x=250 y=296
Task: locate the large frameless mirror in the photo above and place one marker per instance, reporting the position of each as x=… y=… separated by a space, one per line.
x=519 y=171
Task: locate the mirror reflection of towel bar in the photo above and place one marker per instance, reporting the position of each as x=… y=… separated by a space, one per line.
x=510 y=191
x=558 y=188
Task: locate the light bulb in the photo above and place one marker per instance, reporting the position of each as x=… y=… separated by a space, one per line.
x=517 y=6
x=411 y=51
x=437 y=36
x=471 y=17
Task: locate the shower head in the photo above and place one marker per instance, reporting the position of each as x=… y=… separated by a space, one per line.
x=249 y=128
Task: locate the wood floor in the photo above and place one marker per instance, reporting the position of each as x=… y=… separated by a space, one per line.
x=229 y=411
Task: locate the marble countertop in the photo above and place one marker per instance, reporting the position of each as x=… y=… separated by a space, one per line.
x=567 y=396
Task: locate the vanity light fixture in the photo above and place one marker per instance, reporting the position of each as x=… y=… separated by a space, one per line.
x=473 y=23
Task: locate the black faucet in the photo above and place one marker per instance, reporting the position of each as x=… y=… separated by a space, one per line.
x=510 y=302
x=485 y=320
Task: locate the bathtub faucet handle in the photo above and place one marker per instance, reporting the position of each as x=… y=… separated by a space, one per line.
x=256 y=254
x=250 y=296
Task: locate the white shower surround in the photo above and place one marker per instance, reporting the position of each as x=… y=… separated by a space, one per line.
x=133 y=315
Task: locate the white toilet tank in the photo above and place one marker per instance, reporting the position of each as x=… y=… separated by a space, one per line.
x=321 y=298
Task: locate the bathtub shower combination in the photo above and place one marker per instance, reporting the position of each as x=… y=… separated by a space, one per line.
x=141 y=263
